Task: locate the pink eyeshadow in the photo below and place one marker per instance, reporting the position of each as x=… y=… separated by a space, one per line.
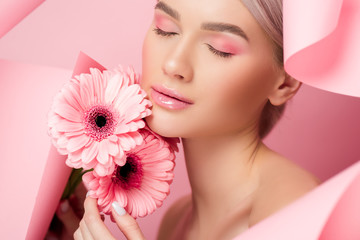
x=225 y=44
x=164 y=23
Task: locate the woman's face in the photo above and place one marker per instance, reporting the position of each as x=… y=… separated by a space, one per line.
x=208 y=68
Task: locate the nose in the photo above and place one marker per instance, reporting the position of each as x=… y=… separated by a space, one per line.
x=177 y=64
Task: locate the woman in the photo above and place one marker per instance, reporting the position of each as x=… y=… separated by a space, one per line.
x=213 y=70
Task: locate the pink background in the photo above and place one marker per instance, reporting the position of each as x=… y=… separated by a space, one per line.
x=320 y=130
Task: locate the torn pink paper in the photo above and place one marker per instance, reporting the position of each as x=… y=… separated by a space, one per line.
x=84 y=63
x=32 y=173
x=307 y=218
x=321 y=43
x=49 y=194
x=344 y=222
x=13 y=11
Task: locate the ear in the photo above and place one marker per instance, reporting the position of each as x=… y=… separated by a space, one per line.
x=285 y=88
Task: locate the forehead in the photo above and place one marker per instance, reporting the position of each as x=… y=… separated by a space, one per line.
x=193 y=13
x=215 y=9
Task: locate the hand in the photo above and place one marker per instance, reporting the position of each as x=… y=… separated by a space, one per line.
x=68 y=215
x=92 y=226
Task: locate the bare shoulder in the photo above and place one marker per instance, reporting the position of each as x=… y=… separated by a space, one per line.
x=282 y=182
x=173 y=216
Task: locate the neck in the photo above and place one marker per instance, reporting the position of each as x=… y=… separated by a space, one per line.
x=222 y=173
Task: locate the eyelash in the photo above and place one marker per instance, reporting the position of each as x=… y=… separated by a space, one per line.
x=163 y=33
x=219 y=53
x=160 y=32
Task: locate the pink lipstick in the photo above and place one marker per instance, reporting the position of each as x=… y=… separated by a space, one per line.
x=169 y=98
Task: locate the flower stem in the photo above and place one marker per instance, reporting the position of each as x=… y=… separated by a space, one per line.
x=73 y=181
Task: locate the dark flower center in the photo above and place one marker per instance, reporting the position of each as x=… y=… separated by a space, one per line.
x=100 y=121
x=130 y=175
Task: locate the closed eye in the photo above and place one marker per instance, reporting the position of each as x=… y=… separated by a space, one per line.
x=163 y=33
x=219 y=53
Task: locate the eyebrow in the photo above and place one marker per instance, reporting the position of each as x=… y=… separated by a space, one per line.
x=210 y=26
x=167 y=9
x=225 y=27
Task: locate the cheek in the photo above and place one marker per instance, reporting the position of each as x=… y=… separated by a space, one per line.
x=240 y=86
x=237 y=94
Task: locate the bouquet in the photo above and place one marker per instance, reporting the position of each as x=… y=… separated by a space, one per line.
x=97 y=121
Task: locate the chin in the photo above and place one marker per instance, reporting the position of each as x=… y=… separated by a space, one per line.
x=162 y=128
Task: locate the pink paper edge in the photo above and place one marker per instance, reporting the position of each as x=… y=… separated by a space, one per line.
x=288 y=19
x=54 y=178
x=55 y=161
x=336 y=218
x=84 y=63
x=17 y=17
x=346 y=176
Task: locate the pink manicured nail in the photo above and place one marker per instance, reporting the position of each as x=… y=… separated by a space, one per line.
x=118 y=209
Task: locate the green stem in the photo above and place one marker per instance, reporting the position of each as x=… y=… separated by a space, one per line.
x=73 y=181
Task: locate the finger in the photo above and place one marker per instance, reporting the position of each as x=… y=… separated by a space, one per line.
x=93 y=221
x=67 y=216
x=126 y=223
x=85 y=231
x=78 y=235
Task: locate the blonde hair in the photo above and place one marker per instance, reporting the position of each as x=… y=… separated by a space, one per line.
x=268 y=13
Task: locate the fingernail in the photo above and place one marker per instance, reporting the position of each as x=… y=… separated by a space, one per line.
x=64 y=206
x=118 y=209
x=88 y=194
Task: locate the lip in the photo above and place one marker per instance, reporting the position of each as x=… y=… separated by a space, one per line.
x=169 y=98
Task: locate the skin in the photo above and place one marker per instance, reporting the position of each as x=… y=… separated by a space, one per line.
x=236 y=180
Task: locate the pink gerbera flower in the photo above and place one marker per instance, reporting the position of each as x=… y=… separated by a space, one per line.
x=142 y=183
x=96 y=117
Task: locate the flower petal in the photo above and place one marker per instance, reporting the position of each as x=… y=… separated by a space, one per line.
x=112 y=148
x=154 y=193
x=113 y=88
x=74 y=89
x=160 y=186
x=120 y=159
x=99 y=82
x=100 y=170
x=129 y=141
x=90 y=152
x=148 y=202
x=84 y=90
x=120 y=196
x=71 y=98
x=66 y=126
x=159 y=166
x=77 y=142
x=127 y=97
x=103 y=155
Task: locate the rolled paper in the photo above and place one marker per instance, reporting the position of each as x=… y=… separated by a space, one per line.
x=344 y=221
x=321 y=43
x=316 y=213
x=32 y=173
x=13 y=11
x=84 y=63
